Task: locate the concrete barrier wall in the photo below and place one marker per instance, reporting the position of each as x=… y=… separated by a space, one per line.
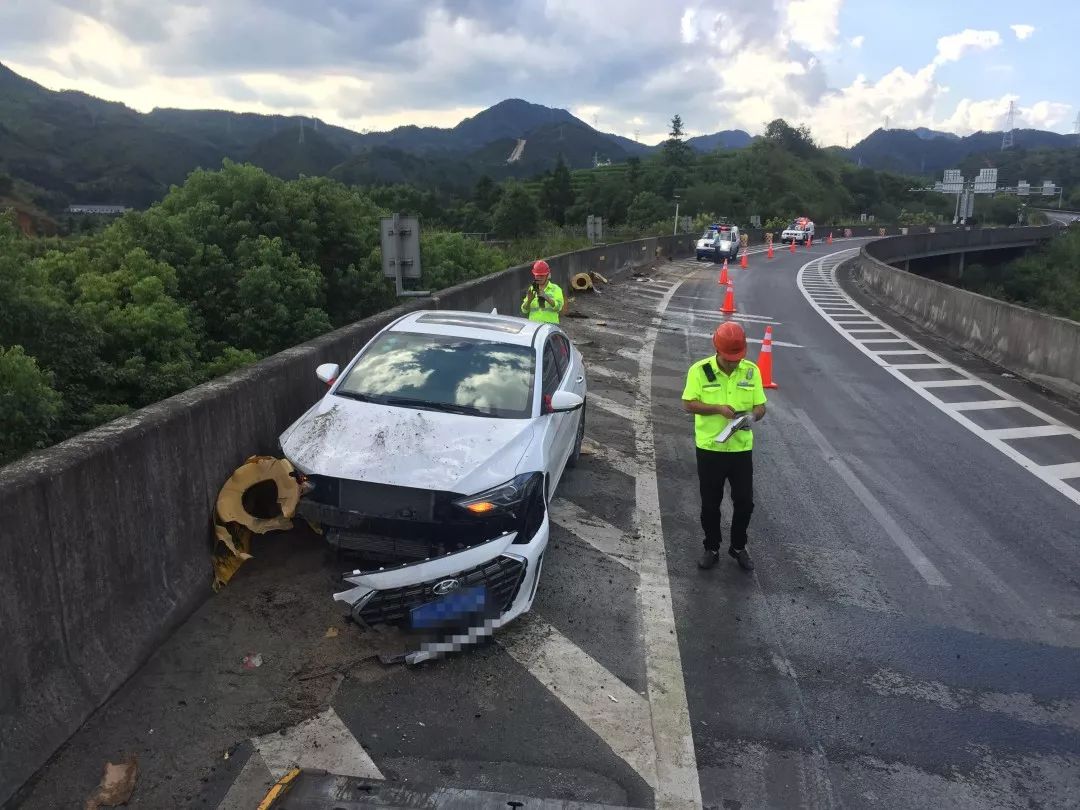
x=105 y=538
x=1042 y=347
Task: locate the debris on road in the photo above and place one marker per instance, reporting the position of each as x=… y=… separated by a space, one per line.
x=260 y=496
x=331 y=632
x=589 y=447
x=581 y=282
x=252 y=661
x=613 y=699
x=117 y=785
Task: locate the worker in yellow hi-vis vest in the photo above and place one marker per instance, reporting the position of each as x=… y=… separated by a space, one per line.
x=725 y=394
x=544 y=300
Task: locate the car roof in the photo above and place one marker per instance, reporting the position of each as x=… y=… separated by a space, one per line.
x=478 y=325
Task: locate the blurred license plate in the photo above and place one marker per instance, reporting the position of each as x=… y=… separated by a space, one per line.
x=450 y=607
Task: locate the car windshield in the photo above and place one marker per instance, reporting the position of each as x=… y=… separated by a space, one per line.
x=445 y=373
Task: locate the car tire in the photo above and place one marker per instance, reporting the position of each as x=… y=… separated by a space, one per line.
x=575 y=454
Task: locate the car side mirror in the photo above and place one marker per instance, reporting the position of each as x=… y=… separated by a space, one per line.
x=328 y=372
x=564 y=401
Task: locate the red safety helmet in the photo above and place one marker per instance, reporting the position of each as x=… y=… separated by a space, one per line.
x=541 y=269
x=729 y=340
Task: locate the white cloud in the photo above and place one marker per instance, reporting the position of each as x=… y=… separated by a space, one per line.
x=857 y=42
x=952 y=47
x=1022 y=30
x=814 y=24
x=688 y=26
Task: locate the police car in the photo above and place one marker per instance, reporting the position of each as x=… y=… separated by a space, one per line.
x=720 y=241
x=799 y=231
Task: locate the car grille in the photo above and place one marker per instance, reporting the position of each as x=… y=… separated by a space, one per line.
x=502 y=577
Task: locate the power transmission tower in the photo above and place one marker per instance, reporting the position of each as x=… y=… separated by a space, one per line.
x=886 y=122
x=637 y=132
x=1007 y=135
x=1076 y=129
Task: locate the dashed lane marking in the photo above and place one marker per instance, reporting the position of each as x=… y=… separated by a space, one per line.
x=817 y=281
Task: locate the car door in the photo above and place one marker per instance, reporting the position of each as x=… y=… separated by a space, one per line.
x=554 y=424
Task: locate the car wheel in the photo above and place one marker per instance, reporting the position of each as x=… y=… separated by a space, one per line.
x=575 y=454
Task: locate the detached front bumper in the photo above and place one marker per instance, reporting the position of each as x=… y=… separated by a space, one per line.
x=508 y=571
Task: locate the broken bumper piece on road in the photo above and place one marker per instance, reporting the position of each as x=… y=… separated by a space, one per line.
x=452 y=601
x=319 y=790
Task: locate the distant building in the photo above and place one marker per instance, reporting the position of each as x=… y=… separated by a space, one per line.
x=99 y=210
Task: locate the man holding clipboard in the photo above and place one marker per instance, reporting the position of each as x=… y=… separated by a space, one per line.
x=725 y=394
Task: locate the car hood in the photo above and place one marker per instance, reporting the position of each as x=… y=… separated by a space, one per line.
x=705 y=243
x=365 y=441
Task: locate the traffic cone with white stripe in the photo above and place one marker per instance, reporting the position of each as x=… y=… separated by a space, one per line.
x=729 y=301
x=744 y=263
x=829 y=240
x=724 y=280
x=791 y=246
x=764 y=361
x=769 y=254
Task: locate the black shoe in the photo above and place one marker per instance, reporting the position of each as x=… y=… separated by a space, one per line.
x=743 y=558
x=709 y=559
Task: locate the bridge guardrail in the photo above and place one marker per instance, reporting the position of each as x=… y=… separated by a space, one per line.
x=1044 y=348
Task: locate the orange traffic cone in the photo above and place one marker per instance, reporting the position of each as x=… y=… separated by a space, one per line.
x=829 y=240
x=806 y=242
x=764 y=361
x=743 y=262
x=770 y=253
x=729 y=302
x=792 y=246
x=724 y=280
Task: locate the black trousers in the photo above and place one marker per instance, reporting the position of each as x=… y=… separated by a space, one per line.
x=713 y=470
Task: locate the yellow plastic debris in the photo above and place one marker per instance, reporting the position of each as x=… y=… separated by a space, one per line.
x=581 y=281
x=234 y=526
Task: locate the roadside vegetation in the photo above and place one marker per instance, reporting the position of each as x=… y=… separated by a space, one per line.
x=237 y=264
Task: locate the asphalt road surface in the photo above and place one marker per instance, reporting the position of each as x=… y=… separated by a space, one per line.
x=909 y=639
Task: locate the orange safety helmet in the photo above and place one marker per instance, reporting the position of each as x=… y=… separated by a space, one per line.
x=541 y=269
x=729 y=340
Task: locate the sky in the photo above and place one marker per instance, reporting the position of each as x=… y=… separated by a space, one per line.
x=842 y=67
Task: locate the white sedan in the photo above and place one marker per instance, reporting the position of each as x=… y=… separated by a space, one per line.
x=433 y=457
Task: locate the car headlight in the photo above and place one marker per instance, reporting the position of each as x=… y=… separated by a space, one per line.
x=503 y=498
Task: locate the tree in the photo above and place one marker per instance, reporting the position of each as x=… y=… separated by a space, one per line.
x=647 y=209
x=797 y=141
x=29 y=405
x=516 y=215
x=556 y=193
x=633 y=172
x=486 y=193
x=676 y=152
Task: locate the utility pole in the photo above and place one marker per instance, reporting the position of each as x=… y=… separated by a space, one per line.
x=1007 y=135
x=675 y=230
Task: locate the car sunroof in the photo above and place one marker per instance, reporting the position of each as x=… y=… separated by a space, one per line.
x=473 y=322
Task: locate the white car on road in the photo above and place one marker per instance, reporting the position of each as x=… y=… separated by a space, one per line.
x=433 y=457
x=800 y=230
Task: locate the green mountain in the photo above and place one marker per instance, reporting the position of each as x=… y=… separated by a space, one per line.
x=296 y=151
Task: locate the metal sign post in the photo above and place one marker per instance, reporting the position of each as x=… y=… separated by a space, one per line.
x=400 y=240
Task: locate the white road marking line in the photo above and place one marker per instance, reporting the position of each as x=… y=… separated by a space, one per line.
x=901 y=352
x=677 y=784
x=1032 y=432
x=921 y=366
x=924 y=389
x=628 y=353
x=591 y=529
x=623 y=334
x=982 y=405
x=250 y=786
x=583 y=685
x=616 y=459
x=948 y=383
x=595 y=369
x=891 y=340
x=907 y=547
x=323 y=742
x=611 y=406
x=1068 y=470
